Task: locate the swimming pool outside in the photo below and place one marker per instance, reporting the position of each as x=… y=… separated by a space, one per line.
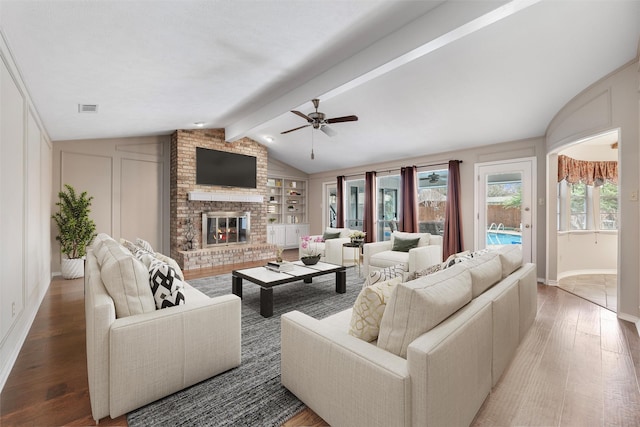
x=503 y=238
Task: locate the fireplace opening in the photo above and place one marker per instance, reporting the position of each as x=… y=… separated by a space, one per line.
x=225 y=228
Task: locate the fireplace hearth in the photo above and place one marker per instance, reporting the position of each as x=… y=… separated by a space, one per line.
x=225 y=228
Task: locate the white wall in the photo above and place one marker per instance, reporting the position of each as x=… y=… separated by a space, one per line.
x=25 y=197
x=610 y=104
x=129 y=181
x=534 y=147
x=586 y=252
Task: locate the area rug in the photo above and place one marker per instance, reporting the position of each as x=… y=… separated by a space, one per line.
x=251 y=394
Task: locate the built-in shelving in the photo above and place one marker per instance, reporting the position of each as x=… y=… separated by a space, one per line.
x=286 y=201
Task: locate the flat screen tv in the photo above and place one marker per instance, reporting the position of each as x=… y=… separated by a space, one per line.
x=222 y=168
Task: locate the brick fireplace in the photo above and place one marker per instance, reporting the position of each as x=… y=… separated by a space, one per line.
x=189 y=203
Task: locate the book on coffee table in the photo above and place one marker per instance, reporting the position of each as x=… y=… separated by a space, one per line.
x=279 y=266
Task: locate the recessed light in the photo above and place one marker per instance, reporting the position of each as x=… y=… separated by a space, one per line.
x=199 y=124
x=268 y=139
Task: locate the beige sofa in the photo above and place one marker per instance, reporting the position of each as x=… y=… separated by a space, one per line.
x=330 y=250
x=445 y=372
x=379 y=255
x=136 y=359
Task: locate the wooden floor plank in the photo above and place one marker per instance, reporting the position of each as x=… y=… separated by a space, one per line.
x=613 y=338
x=621 y=395
x=583 y=399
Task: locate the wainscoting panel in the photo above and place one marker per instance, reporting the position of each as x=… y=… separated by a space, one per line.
x=93 y=174
x=141 y=205
x=12 y=202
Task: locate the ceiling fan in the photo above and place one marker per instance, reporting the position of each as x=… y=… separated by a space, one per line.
x=318 y=120
x=433 y=178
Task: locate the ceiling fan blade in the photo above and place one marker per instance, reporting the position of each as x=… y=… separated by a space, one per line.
x=291 y=130
x=304 y=116
x=342 y=119
x=328 y=131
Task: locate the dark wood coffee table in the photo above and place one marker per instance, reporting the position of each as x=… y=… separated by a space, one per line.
x=267 y=279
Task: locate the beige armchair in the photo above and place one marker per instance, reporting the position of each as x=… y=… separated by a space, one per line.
x=378 y=255
x=331 y=249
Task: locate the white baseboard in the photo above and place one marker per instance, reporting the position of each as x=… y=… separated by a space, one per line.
x=629 y=318
x=21 y=331
x=593 y=271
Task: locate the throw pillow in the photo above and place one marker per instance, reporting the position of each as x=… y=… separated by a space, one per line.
x=369 y=308
x=129 y=245
x=172 y=262
x=383 y=274
x=126 y=280
x=429 y=270
x=165 y=286
x=144 y=245
x=404 y=245
x=418 y=306
x=328 y=235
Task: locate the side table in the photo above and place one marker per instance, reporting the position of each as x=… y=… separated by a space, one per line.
x=356 y=254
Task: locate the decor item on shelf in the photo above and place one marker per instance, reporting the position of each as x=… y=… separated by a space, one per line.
x=357 y=236
x=189 y=235
x=76 y=230
x=272 y=220
x=310 y=251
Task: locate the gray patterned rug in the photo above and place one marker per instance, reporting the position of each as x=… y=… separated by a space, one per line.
x=251 y=394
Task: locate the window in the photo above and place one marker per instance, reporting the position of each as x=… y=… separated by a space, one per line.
x=578 y=197
x=432 y=198
x=583 y=207
x=388 y=205
x=608 y=206
x=355 y=204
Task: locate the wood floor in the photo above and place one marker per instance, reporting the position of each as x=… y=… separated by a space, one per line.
x=577 y=366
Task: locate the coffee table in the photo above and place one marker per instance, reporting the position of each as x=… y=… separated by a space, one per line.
x=267 y=279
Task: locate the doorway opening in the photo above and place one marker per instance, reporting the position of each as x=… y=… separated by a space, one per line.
x=585 y=236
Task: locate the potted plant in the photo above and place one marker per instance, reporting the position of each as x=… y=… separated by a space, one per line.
x=76 y=230
x=311 y=254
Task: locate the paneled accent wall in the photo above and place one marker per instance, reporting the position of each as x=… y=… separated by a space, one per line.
x=129 y=181
x=183 y=180
x=25 y=197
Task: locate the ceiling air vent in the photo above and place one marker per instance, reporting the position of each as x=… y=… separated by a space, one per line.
x=87 y=108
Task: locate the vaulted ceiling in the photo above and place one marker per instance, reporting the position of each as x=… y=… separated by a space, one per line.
x=422 y=76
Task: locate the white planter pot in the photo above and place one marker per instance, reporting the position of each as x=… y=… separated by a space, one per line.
x=72 y=268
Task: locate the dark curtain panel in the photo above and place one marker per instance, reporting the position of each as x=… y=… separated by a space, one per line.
x=452 y=240
x=370 y=202
x=408 y=176
x=340 y=202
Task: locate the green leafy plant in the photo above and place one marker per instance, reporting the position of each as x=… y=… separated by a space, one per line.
x=76 y=229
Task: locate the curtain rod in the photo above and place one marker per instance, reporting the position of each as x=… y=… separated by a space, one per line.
x=389 y=170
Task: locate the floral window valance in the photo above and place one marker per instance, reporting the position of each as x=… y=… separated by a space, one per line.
x=590 y=173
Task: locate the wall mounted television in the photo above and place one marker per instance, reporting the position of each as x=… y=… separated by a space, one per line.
x=214 y=167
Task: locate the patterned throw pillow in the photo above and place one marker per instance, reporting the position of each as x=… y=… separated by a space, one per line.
x=144 y=245
x=463 y=256
x=383 y=274
x=369 y=308
x=429 y=270
x=165 y=286
x=129 y=245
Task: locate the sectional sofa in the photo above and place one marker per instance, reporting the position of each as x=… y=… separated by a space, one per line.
x=444 y=341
